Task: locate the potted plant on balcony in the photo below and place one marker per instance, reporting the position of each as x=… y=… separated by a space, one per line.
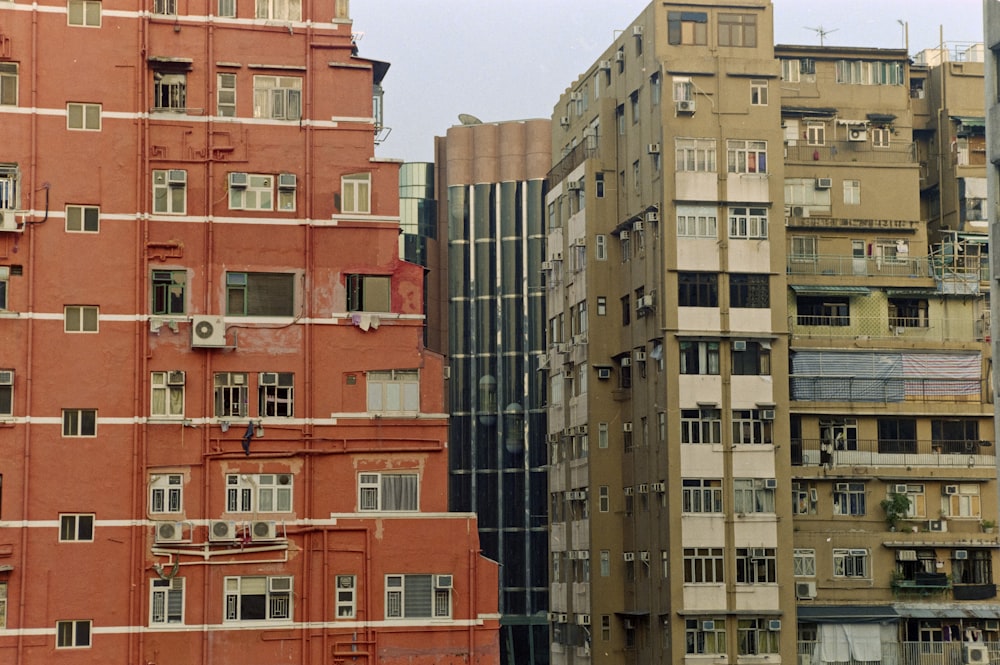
x=896 y=506
x=987 y=525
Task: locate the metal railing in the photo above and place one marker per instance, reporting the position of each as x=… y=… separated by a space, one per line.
x=881 y=267
x=851 y=151
x=894 y=452
x=903 y=653
x=929 y=329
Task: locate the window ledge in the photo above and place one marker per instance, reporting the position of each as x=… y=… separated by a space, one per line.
x=6 y=314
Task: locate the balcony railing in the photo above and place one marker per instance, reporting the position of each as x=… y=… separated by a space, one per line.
x=903 y=653
x=881 y=267
x=839 y=325
x=893 y=452
x=884 y=390
x=852 y=151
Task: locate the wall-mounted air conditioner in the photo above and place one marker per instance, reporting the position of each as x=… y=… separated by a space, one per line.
x=177 y=177
x=739 y=345
x=263 y=530
x=824 y=183
x=603 y=373
x=222 y=530
x=627 y=427
x=637 y=30
x=628 y=556
x=653 y=216
x=169 y=532
x=640 y=356
x=238 y=180
x=857 y=133
x=975 y=654
x=208 y=331
x=805 y=590
x=685 y=106
x=444 y=581
x=564 y=121
x=951 y=489
x=604 y=64
x=583 y=619
x=573 y=185
x=653 y=148
x=287 y=181
x=800 y=211
x=8 y=221
x=937 y=525
x=657 y=487
x=175 y=378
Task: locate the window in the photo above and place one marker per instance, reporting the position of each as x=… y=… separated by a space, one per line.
x=279 y=10
x=169 y=90
x=849 y=499
x=636 y=176
x=603 y=499
x=839 y=433
x=908 y=312
x=83 y=116
x=758 y=92
x=170 y=192
x=166 y=601
x=166 y=491
x=8 y=84
x=852 y=192
x=897 y=435
x=804 y=561
x=748 y=223
x=620 y=119
x=226 y=83
x=231 y=395
x=697 y=223
x=916 y=496
x=169 y=292
x=738 y=30
x=277 y=97
x=6 y=393
x=976 y=568
x=955 y=436
x=750 y=358
x=803 y=249
x=702 y=425
x=695 y=155
x=699 y=357
x=84 y=12
x=749 y=291
x=704 y=565
x=72 y=634
x=683 y=89
x=251 y=191
x=816 y=133
x=227 y=8
x=697 y=289
x=417 y=596
x=753 y=495
x=3 y=605
x=687 y=28
x=356 y=194
x=750 y=427
x=704 y=635
x=746 y=156
x=260 y=294
x=346 y=597
x=963 y=500
x=275 y=394
x=850 y=563
x=258 y=598
x=880 y=137
x=394 y=391
x=368 y=293
x=80 y=318
x=864 y=72
x=700 y=495
x=388 y=491
x=76 y=528
x=804 y=498
x=754 y=637
x=756 y=565
x=79 y=422
x=166 y=395
x=634 y=105
x=82 y=219
x=165 y=7
x=823 y=310
x=655 y=88
x=259 y=493
x=790 y=70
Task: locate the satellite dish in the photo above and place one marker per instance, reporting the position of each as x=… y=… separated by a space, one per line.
x=467 y=119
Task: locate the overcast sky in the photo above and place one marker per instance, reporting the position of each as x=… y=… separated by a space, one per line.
x=511 y=59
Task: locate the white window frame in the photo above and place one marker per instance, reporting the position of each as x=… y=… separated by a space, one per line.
x=83 y=117
x=966 y=502
x=225 y=88
x=749 y=427
x=394 y=391
x=701 y=496
x=851 y=563
x=166 y=493
x=758 y=92
x=747 y=156
x=231 y=394
x=73 y=527
x=396 y=589
x=278 y=598
x=258 y=194
x=816 y=133
x=260 y=492
x=756 y=565
x=705 y=636
x=83 y=13
x=852 y=192
x=683 y=89
x=751 y=495
x=701 y=425
x=277 y=97
x=169 y=198
x=373 y=491
x=166 y=602
x=76 y=424
x=8 y=83
x=916 y=493
x=165 y=400
x=804 y=562
x=791 y=70
x=696 y=155
x=698 y=222
x=345 y=596
x=71 y=634
x=164 y=7
x=169 y=88
x=276 y=394
x=278 y=10
x=748 y=223
x=81 y=319
x=601 y=247
x=704 y=565
x=804 y=249
x=3 y=605
x=83 y=219
x=6 y=387
x=226 y=9
x=356 y=193
x=846 y=502
x=881 y=137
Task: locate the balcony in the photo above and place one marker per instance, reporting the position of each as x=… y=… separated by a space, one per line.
x=885 y=390
x=840 y=323
x=852 y=151
x=962 y=278
x=893 y=453
x=903 y=653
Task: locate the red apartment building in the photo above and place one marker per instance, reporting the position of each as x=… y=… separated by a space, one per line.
x=221 y=440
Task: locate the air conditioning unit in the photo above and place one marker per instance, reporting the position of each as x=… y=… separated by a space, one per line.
x=220 y=530
x=169 y=532
x=644 y=556
x=640 y=356
x=627 y=427
x=553 y=438
x=739 y=345
x=937 y=525
x=685 y=106
x=177 y=177
x=546 y=265
x=767 y=414
x=800 y=211
x=624 y=235
x=658 y=487
x=576 y=96
x=208 y=331
x=653 y=216
x=175 y=378
x=581 y=429
x=961 y=554
x=604 y=64
x=7 y=377
x=628 y=491
x=653 y=148
x=573 y=185
x=975 y=654
x=805 y=590
x=628 y=556
x=644 y=302
x=774 y=625
x=771 y=483
x=583 y=619
x=238 y=180
x=708 y=625
x=824 y=183
x=638 y=227
x=951 y=489
x=899 y=489
x=8 y=221
x=620 y=56
x=268 y=378
x=444 y=581
x=564 y=121
x=264 y=530
x=626 y=361
x=637 y=30
x=287 y=181
x=583 y=555
x=857 y=133
x=643 y=488
x=842 y=487
x=603 y=373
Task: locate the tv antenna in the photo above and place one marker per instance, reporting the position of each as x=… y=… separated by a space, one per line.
x=821 y=31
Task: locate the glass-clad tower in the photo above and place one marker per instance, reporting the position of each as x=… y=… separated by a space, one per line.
x=493 y=177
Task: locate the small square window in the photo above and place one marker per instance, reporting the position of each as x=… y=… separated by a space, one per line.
x=79 y=422
x=83 y=219
x=80 y=318
x=83 y=116
x=84 y=13
x=73 y=634
x=76 y=528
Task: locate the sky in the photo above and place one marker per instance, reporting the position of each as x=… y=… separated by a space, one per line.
x=511 y=59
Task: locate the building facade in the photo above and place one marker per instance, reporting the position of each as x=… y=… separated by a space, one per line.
x=491 y=185
x=221 y=437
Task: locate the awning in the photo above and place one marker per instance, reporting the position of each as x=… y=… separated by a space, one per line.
x=969 y=120
x=826 y=289
x=958 y=544
x=846 y=613
x=633 y=613
x=949 y=611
